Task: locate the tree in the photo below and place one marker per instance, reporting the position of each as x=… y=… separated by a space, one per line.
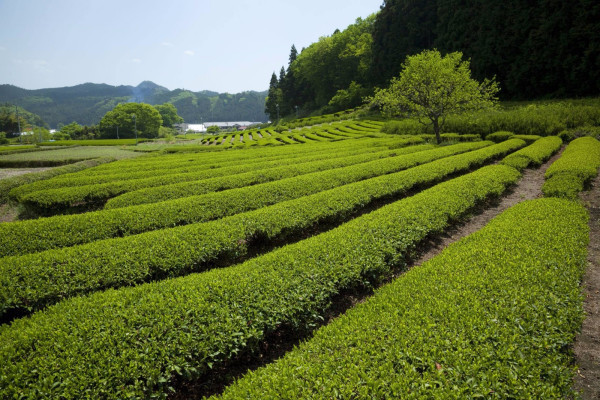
x=431 y=87
x=169 y=115
x=147 y=121
x=273 y=98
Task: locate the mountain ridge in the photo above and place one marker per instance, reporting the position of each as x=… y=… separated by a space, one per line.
x=86 y=103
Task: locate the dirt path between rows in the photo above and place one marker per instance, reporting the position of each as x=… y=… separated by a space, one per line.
x=529 y=187
x=587 y=345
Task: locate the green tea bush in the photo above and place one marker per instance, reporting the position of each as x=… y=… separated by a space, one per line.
x=178 y=251
x=141 y=338
x=535 y=154
x=68 y=230
x=576 y=167
x=477 y=321
x=499 y=136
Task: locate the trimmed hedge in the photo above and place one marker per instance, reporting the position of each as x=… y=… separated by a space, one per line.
x=133 y=342
x=499 y=136
x=480 y=320
x=174 y=191
x=534 y=154
x=193 y=183
x=68 y=230
x=32 y=282
x=577 y=166
x=6 y=185
x=183 y=168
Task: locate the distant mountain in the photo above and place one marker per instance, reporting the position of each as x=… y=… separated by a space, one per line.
x=87 y=103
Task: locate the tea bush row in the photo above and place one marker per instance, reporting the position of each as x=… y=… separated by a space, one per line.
x=534 y=154
x=477 y=321
x=576 y=167
x=66 y=230
x=178 y=190
x=55 y=200
x=140 y=339
x=32 y=281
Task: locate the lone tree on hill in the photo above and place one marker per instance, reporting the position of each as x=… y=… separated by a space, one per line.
x=431 y=87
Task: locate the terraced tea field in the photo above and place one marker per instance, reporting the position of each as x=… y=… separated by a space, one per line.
x=169 y=274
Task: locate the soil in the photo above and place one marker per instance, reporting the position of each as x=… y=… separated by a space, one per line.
x=10 y=172
x=587 y=344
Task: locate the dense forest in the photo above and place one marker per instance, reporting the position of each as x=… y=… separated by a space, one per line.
x=535 y=49
x=88 y=103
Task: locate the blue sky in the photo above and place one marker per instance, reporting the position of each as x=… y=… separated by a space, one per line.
x=225 y=46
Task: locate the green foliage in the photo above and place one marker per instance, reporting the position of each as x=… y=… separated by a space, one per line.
x=61 y=156
x=466 y=324
x=147 y=121
x=238 y=232
x=60 y=231
x=87 y=103
x=169 y=115
x=27 y=120
x=3 y=139
x=431 y=87
x=7 y=184
x=543 y=119
x=546 y=50
x=535 y=154
x=499 y=136
x=348 y=98
x=142 y=338
x=576 y=167
x=212 y=129
x=331 y=64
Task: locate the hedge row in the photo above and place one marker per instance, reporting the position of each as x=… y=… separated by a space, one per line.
x=59 y=231
x=534 y=154
x=133 y=342
x=32 y=281
x=6 y=185
x=55 y=200
x=480 y=320
x=154 y=161
x=578 y=165
x=169 y=192
x=177 y=173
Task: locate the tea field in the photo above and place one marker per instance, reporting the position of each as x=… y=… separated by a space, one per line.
x=157 y=275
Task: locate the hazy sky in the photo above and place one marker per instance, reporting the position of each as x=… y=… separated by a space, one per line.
x=225 y=46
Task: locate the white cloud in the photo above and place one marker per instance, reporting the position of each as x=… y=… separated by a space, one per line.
x=188 y=52
x=2 y=48
x=136 y=60
x=167 y=44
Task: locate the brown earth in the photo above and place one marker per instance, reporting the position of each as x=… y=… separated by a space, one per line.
x=587 y=344
x=10 y=172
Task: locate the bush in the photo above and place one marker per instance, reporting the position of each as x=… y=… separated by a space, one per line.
x=500 y=136
x=493 y=316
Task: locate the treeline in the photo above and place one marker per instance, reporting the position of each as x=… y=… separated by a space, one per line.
x=536 y=49
x=88 y=103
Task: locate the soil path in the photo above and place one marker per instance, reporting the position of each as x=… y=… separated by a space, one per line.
x=587 y=345
x=529 y=187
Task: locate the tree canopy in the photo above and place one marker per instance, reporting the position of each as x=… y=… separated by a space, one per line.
x=431 y=87
x=169 y=115
x=147 y=120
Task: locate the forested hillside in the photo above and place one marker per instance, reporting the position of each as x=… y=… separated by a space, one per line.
x=87 y=103
x=535 y=49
